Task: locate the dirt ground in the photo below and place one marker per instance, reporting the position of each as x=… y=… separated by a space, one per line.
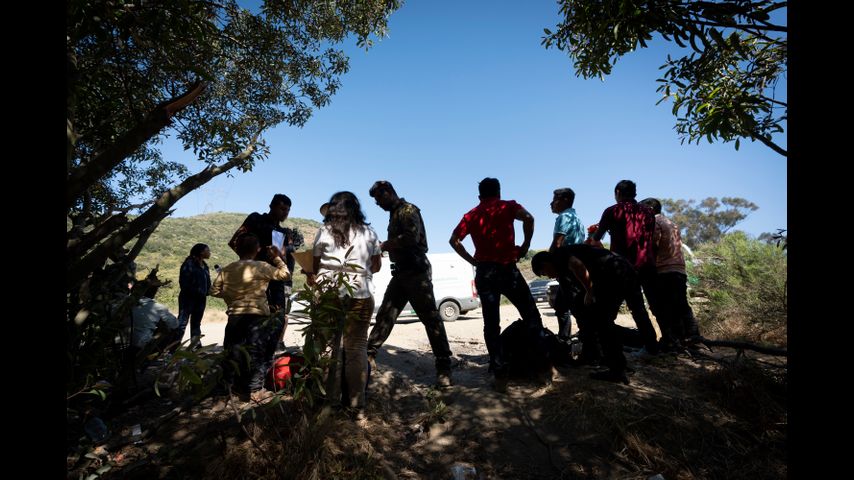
x=673 y=419
x=465 y=334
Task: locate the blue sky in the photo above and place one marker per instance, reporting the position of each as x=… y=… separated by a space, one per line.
x=463 y=90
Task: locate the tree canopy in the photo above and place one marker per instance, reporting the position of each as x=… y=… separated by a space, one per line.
x=708 y=220
x=723 y=88
x=212 y=74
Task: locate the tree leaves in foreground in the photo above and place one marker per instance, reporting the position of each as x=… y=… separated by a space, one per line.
x=724 y=88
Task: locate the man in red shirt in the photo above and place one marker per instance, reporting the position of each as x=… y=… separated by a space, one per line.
x=493 y=234
x=631 y=226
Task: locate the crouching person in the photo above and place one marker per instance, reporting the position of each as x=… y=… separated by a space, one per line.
x=154 y=328
x=243 y=286
x=606 y=280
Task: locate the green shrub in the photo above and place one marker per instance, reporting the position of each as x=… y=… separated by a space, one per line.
x=744 y=281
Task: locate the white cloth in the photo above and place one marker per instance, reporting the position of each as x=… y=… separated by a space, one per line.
x=145 y=318
x=357 y=265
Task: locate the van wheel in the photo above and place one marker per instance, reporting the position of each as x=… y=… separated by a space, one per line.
x=449 y=311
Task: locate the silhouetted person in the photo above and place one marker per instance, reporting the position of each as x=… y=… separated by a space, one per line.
x=671 y=308
x=411 y=279
x=606 y=279
x=346 y=244
x=631 y=226
x=490 y=224
x=568 y=230
x=267 y=227
x=195 y=282
x=243 y=285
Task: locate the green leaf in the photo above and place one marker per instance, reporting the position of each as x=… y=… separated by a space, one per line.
x=190 y=375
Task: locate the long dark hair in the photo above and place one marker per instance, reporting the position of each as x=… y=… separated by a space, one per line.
x=345 y=212
x=196 y=252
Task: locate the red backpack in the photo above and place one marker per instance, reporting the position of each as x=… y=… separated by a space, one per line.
x=284 y=367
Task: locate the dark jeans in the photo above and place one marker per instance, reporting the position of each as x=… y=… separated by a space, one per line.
x=670 y=301
x=278 y=300
x=275 y=325
x=246 y=335
x=603 y=313
x=588 y=331
x=634 y=300
x=191 y=308
x=417 y=289
x=493 y=280
x=276 y=294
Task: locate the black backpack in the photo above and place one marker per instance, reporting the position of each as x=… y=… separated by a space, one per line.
x=529 y=350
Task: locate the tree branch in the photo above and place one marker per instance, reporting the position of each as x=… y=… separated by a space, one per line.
x=763 y=97
x=79 y=270
x=773 y=146
x=85 y=175
x=745 y=346
x=739 y=26
x=141 y=240
x=77 y=246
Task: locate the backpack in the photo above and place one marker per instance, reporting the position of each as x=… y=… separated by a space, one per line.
x=528 y=351
x=283 y=369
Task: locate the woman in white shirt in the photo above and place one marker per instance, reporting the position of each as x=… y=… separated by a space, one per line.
x=347 y=244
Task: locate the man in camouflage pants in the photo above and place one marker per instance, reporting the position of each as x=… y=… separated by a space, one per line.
x=412 y=280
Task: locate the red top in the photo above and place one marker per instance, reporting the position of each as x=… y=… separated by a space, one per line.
x=631 y=225
x=491 y=227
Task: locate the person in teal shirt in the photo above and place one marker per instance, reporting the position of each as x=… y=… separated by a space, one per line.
x=568 y=231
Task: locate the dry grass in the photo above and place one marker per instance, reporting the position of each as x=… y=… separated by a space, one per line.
x=305 y=445
x=735 y=327
x=715 y=416
x=718 y=421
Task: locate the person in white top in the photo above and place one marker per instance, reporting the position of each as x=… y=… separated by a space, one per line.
x=347 y=244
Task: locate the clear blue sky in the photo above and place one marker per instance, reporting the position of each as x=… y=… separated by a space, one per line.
x=460 y=91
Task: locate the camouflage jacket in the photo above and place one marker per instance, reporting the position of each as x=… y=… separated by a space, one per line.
x=406 y=228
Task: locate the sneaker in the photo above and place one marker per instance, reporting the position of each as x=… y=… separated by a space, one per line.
x=500 y=384
x=610 y=376
x=443 y=378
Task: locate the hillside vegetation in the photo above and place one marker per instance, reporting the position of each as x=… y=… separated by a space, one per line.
x=170 y=244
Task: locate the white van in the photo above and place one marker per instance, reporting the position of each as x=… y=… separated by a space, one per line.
x=453 y=285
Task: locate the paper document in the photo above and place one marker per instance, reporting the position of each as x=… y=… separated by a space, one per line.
x=279 y=240
x=305 y=260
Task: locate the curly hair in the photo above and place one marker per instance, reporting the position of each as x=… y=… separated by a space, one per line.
x=345 y=212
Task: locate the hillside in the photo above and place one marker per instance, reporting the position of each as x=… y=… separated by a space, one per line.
x=170 y=244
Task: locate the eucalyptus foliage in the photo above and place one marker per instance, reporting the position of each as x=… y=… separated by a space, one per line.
x=708 y=220
x=722 y=88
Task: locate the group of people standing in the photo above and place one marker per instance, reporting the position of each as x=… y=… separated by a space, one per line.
x=645 y=258
x=645 y=254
